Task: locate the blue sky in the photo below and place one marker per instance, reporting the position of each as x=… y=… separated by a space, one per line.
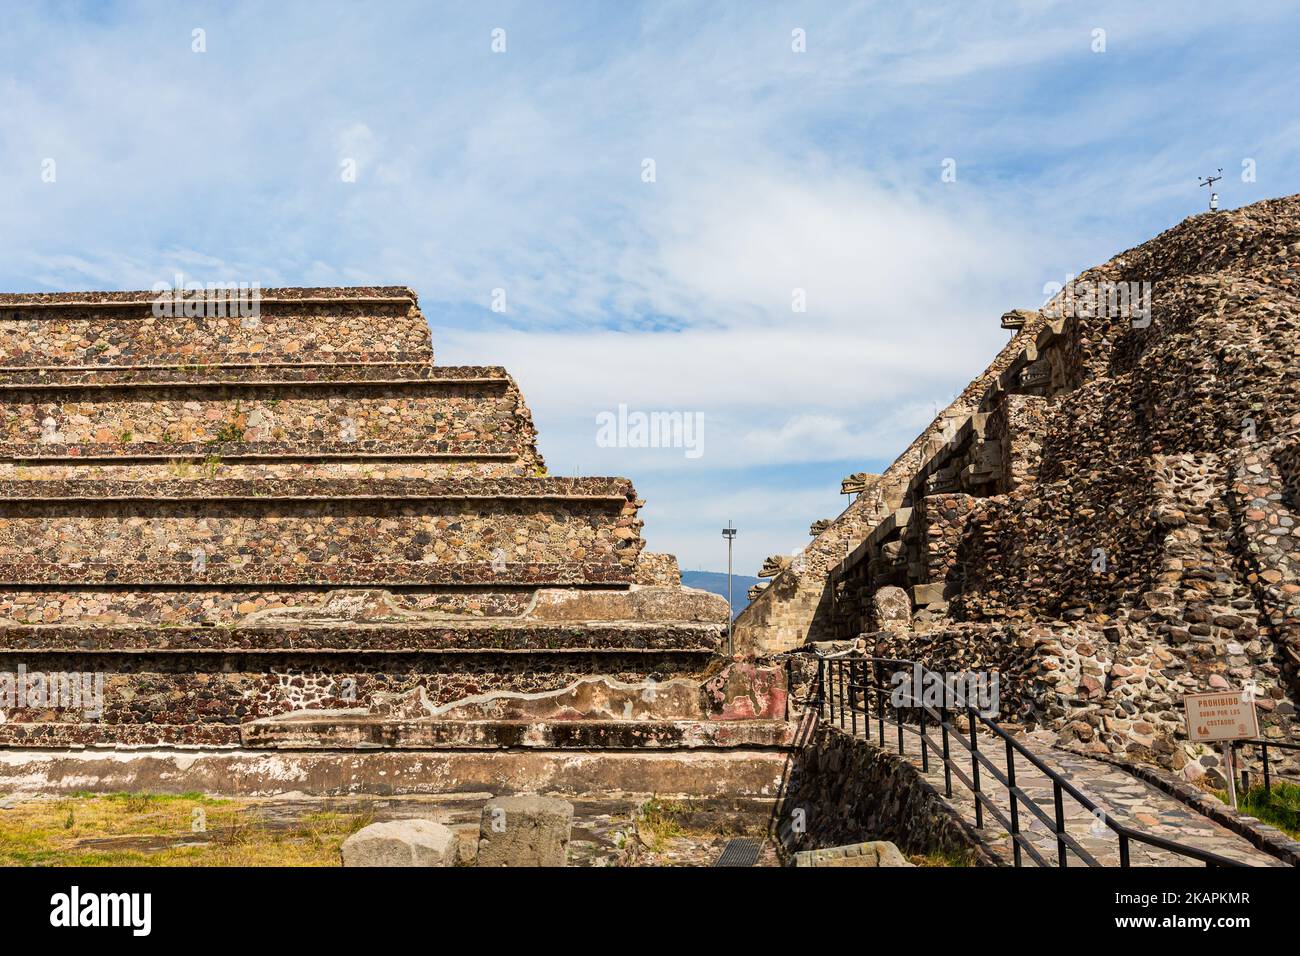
x=775 y=170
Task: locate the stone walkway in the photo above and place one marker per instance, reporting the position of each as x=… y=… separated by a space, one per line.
x=1122 y=796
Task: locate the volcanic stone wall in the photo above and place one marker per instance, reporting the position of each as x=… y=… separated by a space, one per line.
x=847 y=791
x=207 y=463
x=1286 y=458
x=331 y=530
x=157 y=419
x=1138 y=541
x=1266 y=523
x=1018 y=422
x=108 y=332
x=191 y=699
x=943 y=520
x=213 y=607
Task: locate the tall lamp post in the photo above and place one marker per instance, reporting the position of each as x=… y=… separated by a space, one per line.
x=730 y=534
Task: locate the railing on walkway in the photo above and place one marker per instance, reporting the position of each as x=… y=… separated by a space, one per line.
x=850 y=686
x=1264 y=746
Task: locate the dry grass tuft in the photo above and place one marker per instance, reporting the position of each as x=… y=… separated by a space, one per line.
x=140 y=829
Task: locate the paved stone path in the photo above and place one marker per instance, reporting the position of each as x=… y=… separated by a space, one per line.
x=1122 y=796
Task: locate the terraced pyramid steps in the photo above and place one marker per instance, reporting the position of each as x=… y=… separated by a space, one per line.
x=259 y=527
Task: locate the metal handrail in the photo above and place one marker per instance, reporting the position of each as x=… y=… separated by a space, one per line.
x=1264 y=747
x=848 y=674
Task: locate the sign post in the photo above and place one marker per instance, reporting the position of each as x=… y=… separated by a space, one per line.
x=1229 y=761
x=1222 y=717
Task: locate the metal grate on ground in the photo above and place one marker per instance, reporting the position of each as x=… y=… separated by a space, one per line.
x=741 y=852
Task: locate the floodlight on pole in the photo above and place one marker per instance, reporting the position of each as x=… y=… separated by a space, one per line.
x=730 y=534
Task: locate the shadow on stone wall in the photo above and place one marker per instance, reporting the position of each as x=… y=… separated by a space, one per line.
x=843 y=790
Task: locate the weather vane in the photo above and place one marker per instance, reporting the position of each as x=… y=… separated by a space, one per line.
x=1210 y=181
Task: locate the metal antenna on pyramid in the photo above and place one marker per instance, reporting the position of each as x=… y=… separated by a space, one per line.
x=1210 y=181
x=729 y=533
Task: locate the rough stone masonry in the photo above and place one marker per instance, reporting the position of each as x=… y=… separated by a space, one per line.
x=291 y=532
x=1107 y=515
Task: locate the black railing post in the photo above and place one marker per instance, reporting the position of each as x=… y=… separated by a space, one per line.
x=863 y=689
x=947 y=763
x=1015 y=805
x=880 y=702
x=898 y=723
x=830 y=691
x=839 y=669
x=1263 y=754
x=975 y=768
x=1123 y=850
x=866 y=700
x=1060 y=824
x=898 y=718
x=925 y=748
x=853 y=683
x=821 y=684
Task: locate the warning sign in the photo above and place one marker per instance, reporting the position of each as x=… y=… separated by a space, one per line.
x=1226 y=715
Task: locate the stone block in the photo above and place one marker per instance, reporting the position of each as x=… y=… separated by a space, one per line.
x=893 y=608
x=401 y=843
x=525 y=830
x=638 y=603
x=926 y=594
x=874 y=853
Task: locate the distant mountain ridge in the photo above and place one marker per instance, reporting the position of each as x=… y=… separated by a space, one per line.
x=716 y=582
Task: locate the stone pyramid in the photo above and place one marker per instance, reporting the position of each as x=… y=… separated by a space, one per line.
x=278 y=524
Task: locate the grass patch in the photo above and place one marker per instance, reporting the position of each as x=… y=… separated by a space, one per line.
x=144 y=829
x=959 y=858
x=1279 y=807
x=659 y=821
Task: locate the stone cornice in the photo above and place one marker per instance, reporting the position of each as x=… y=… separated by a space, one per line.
x=108 y=454
x=346 y=295
x=359 y=369
x=253 y=572
x=81 y=490
x=462 y=636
